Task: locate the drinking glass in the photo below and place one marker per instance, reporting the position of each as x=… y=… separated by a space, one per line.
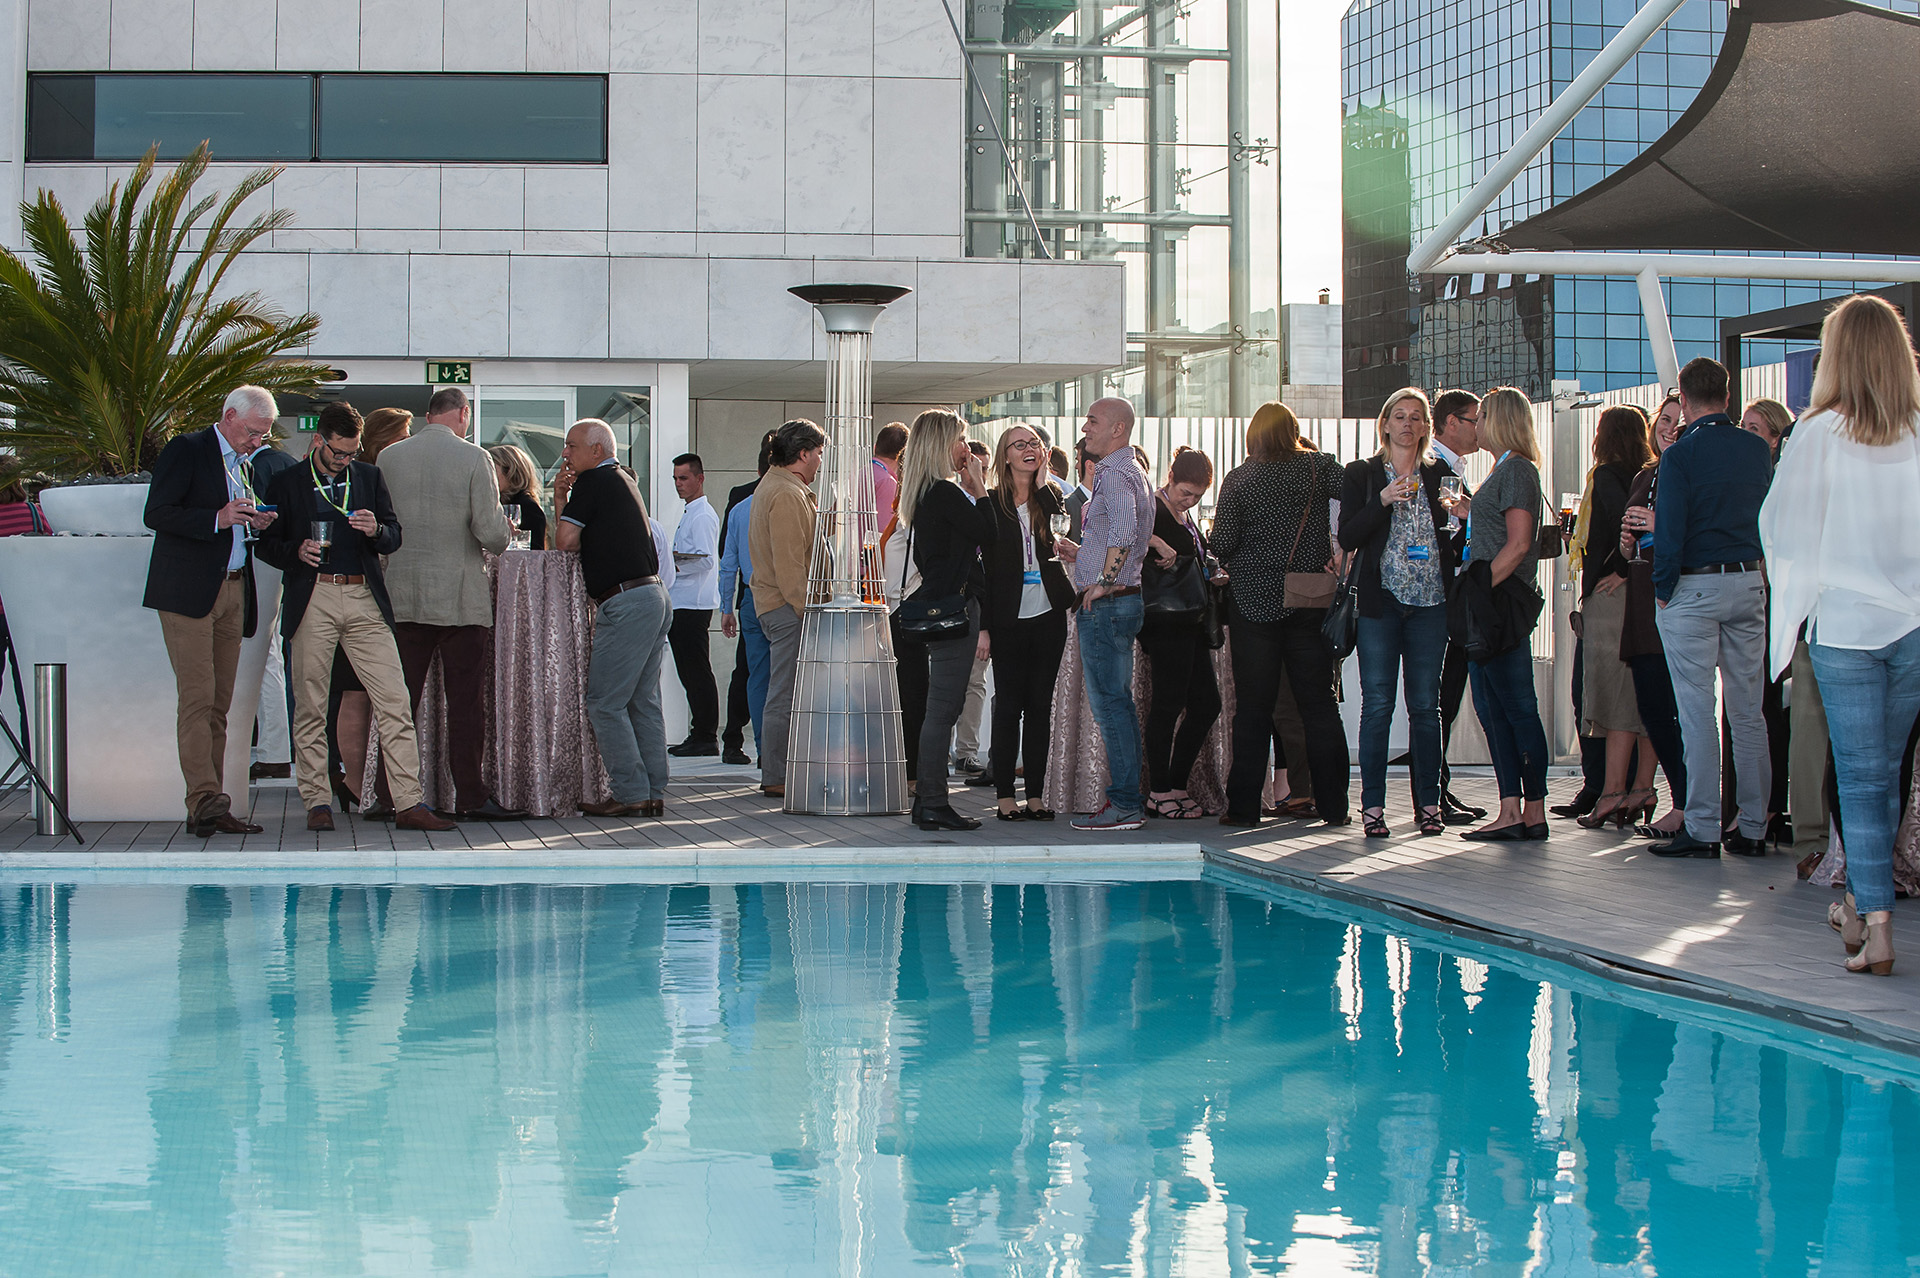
x=1569 y=513
x=1450 y=493
x=1057 y=524
x=323 y=533
x=512 y=512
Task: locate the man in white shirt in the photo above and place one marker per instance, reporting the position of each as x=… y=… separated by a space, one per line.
x=695 y=593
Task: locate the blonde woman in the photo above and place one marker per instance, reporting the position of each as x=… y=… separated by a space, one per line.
x=1505 y=530
x=1391 y=515
x=947 y=523
x=519 y=481
x=1770 y=420
x=1841 y=532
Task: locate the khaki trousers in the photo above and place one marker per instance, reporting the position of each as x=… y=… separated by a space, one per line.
x=346 y=617
x=205 y=652
x=1807 y=752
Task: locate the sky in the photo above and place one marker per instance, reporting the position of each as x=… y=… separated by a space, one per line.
x=1310 y=136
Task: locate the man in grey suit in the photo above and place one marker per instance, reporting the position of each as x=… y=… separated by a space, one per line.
x=447 y=497
x=1077 y=499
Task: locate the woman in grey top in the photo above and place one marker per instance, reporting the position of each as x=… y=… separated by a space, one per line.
x=1505 y=528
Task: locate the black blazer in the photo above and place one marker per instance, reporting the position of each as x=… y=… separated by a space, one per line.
x=1611 y=483
x=299 y=503
x=1005 y=561
x=1456 y=542
x=1365 y=524
x=189 y=554
x=949 y=532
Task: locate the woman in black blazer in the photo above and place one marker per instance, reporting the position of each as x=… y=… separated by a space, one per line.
x=1023 y=617
x=1186 y=696
x=1392 y=517
x=948 y=524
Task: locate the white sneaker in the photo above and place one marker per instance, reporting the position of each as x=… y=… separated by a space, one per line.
x=1110 y=818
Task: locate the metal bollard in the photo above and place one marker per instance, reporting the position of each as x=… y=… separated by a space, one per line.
x=50 y=744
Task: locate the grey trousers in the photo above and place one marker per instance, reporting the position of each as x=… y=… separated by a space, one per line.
x=623 y=691
x=1807 y=752
x=949 y=665
x=782 y=628
x=1719 y=622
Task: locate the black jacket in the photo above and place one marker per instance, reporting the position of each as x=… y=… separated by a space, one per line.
x=949 y=532
x=1005 y=561
x=734 y=498
x=1611 y=483
x=1365 y=524
x=189 y=554
x=299 y=502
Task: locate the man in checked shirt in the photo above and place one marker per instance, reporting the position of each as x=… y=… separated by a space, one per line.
x=1115 y=524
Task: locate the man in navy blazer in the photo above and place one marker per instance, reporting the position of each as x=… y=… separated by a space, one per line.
x=200 y=580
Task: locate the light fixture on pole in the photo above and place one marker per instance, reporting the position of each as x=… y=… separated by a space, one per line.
x=846 y=752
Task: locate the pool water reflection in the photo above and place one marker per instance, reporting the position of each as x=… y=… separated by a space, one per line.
x=810 y=1078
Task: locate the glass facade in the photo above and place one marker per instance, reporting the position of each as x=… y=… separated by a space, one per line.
x=1464 y=79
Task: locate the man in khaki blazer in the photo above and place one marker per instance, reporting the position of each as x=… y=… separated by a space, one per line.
x=447 y=497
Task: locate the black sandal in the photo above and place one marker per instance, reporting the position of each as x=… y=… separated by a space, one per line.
x=1039 y=814
x=1018 y=814
x=1433 y=821
x=1375 y=825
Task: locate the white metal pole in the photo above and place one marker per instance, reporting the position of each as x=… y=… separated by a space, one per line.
x=1666 y=360
x=1562 y=109
x=1679 y=266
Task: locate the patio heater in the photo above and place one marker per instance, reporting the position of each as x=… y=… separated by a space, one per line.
x=846 y=752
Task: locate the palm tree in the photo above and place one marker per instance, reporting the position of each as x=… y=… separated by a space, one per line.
x=106 y=351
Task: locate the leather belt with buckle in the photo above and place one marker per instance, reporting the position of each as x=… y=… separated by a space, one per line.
x=341 y=578
x=1751 y=565
x=635 y=584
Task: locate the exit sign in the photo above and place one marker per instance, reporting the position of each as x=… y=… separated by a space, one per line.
x=310 y=422
x=449 y=373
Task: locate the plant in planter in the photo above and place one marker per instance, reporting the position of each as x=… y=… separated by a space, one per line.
x=110 y=347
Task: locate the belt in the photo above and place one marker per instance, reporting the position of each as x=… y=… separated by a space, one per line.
x=341 y=578
x=235 y=574
x=1116 y=592
x=635 y=584
x=1751 y=565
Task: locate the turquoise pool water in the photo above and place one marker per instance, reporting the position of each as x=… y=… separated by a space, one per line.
x=872 y=1078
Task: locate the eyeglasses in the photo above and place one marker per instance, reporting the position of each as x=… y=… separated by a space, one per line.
x=338 y=454
x=1024 y=445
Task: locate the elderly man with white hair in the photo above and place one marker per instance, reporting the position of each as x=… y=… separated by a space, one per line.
x=200 y=581
x=600 y=514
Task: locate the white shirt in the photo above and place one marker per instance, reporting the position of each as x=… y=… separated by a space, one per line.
x=696 y=557
x=1450 y=457
x=664 y=553
x=1841 y=532
x=231 y=462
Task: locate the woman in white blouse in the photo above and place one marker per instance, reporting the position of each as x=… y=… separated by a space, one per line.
x=1841 y=528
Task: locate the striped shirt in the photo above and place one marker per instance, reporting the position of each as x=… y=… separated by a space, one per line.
x=1120 y=513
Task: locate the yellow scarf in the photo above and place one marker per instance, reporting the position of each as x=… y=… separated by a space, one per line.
x=1577 y=553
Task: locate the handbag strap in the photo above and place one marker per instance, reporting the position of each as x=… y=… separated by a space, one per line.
x=906 y=562
x=1304 y=512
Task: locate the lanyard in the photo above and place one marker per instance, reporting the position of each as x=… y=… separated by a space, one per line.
x=322 y=488
x=238 y=474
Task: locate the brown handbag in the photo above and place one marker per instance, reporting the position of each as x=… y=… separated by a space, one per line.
x=1308 y=589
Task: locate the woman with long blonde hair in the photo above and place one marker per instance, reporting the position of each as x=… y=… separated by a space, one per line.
x=1841 y=530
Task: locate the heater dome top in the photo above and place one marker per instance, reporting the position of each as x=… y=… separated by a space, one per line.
x=854 y=294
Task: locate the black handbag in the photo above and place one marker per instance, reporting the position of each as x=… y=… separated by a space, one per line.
x=929 y=620
x=1342 y=625
x=1178 y=593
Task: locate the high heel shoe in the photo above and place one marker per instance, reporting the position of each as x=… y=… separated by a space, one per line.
x=1876 y=951
x=346 y=798
x=1604 y=812
x=1643 y=810
x=1844 y=919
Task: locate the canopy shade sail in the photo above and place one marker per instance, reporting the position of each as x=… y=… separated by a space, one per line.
x=1802 y=140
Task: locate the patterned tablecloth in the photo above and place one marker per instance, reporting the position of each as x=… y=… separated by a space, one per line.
x=540 y=753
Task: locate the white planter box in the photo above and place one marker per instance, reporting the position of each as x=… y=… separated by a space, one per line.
x=115 y=509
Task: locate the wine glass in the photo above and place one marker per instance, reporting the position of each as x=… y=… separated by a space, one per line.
x=1451 y=490
x=1057 y=523
x=512 y=511
x=323 y=533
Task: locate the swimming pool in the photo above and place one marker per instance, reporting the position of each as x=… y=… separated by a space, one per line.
x=1185 y=1077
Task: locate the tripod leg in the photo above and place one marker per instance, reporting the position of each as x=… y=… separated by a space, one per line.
x=40 y=782
x=11 y=659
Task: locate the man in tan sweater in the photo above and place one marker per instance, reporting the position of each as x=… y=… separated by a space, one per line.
x=780 y=536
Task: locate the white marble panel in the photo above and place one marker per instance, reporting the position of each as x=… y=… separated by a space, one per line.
x=1073 y=312
x=456 y=306
x=482 y=241
x=152 y=35
x=486 y=35
x=830 y=37
x=742 y=159
x=321 y=196
x=68 y=35
x=917 y=157
x=234 y=35
x=969 y=312
x=319 y=35
x=658 y=308
x=558 y=308
x=482 y=198
x=76 y=186
x=399 y=197
x=340 y=241
x=567 y=35
x=379 y=241
x=220 y=181
x=896 y=333
x=750 y=314
x=280 y=278
x=919 y=246
x=664 y=243
x=743 y=37
x=727 y=244
x=829 y=246
x=913 y=38
x=654 y=35
x=566 y=241
x=401 y=35
x=651 y=146
x=829 y=173
x=361 y=299
x=565 y=198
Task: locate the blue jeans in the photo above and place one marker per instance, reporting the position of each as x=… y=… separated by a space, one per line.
x=1510 y=715
x=1413 y=640
x=1107 y=632
x=757 y=656
x=1871 y=698
x=623 y=691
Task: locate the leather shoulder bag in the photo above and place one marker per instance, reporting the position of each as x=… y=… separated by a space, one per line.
x=930 y=620
x=1307 y=589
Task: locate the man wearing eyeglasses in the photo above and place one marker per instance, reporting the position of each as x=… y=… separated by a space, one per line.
x=335 y=597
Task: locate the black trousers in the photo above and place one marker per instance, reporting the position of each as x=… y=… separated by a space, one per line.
x=1026 y=663
x=734 y=735
x=910 y=657
x=1593 y=750
x=1186 y=703
x=688 y=640
x=1264 y=652
x=1660 y=719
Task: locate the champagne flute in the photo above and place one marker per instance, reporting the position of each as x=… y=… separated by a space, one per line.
x=323 y=533
x=1450 y=494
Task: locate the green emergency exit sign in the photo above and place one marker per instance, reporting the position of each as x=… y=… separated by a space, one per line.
x=449 y=373
x=310 y=422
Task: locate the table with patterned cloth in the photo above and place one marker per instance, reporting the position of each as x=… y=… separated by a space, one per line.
x=540 y=754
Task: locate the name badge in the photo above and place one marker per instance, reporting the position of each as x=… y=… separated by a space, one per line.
x=1032 y=577
x=1419 y=554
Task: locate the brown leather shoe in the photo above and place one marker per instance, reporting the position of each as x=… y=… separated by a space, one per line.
x=774 y=791
x=225 y=823
x=320 y=818
x=259 y=771
x=610 y=808
x=421 y=817
x=652 y=807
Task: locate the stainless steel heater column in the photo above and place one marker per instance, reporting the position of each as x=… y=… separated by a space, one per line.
x=846 y=751
x=50 y=745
